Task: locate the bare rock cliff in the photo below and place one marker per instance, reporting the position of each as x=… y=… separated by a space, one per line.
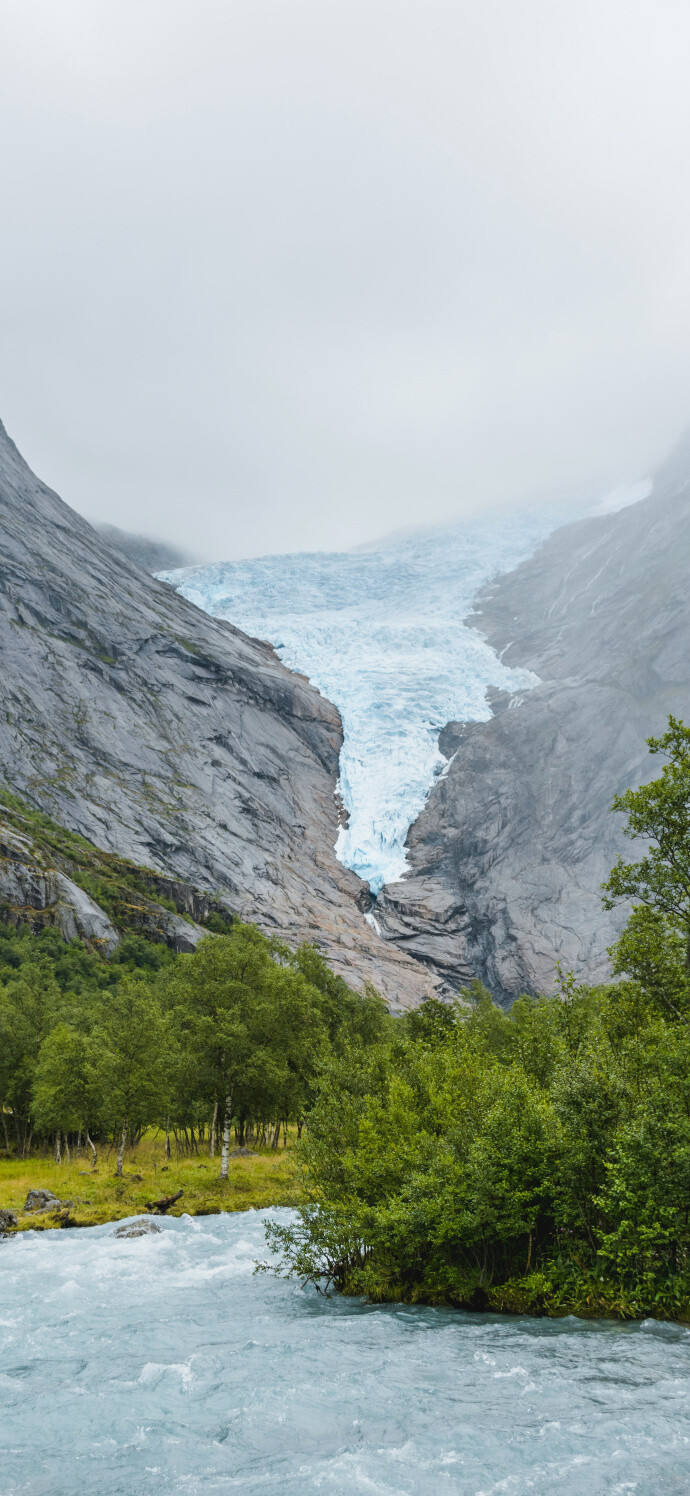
x=171 y=738
x=509 y=853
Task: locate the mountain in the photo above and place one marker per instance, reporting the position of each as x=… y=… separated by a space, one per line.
x=151 y=555
x=169 y=738
x=508 y=854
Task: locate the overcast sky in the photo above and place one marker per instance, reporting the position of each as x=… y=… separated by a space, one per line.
x=287 y=274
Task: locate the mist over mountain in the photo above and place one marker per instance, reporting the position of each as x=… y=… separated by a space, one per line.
x=150 y=555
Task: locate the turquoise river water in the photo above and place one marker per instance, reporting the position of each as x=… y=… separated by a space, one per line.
x=164 y=1364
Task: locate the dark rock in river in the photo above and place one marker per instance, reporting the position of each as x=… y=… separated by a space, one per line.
x=509 y=853
x=137 y=1228
x=169 y=738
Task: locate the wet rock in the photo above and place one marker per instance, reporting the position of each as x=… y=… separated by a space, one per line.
x=64 y=1218
x=364 y=898
x=138 y=1228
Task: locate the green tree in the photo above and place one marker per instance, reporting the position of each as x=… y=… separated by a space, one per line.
x=68 y=1086
x=30 y=1005
x=252 y=1027
x=347 y=1014
x=660 y=880
x=132 y=1058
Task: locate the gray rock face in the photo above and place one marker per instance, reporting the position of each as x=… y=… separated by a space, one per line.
x=170 y=737
x=510 y=851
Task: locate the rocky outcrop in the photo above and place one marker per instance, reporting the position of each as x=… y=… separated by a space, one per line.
x=170 y=738
x=35 y=893
x=508 y=856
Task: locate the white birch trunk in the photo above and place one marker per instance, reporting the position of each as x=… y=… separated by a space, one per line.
x=212 y=1139
x=225 y=1151
x=121 y=1150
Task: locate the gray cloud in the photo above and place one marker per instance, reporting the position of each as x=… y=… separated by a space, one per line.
x=278 y=274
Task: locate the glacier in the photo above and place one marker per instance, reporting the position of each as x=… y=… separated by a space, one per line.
x=379 y=630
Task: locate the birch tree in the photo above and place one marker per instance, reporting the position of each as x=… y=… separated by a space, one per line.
x=133 y=1054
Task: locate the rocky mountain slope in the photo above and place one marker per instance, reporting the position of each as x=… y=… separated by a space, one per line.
x=169 y=738
x=509 y=853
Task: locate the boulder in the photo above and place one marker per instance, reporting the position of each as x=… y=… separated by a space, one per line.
x=8 y=1220
x=138 y=1228
x=42 y=1200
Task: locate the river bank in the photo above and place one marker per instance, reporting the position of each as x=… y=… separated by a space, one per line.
x=260 y=1179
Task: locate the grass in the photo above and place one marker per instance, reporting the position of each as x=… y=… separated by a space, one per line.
x=268 y=1177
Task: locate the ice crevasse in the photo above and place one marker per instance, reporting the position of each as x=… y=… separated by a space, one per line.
x=380 y=632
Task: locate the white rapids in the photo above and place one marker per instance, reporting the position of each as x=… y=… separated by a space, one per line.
x=161 y=1366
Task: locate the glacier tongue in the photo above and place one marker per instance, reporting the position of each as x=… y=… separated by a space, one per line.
x=380 y=632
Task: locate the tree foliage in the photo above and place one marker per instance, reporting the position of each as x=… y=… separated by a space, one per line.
x=660 y=813
x=531 y=1160
x=536 y=1160
x=108 y=1048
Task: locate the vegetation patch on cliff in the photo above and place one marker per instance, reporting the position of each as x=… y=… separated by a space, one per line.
x=134 y=898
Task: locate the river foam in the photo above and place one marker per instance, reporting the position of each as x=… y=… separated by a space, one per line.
x=381 y=633
x=161 y=1365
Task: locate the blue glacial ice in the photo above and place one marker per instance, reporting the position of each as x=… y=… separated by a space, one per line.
x=381 y=633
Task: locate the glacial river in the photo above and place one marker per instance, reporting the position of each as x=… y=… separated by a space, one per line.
x=163 y=1364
